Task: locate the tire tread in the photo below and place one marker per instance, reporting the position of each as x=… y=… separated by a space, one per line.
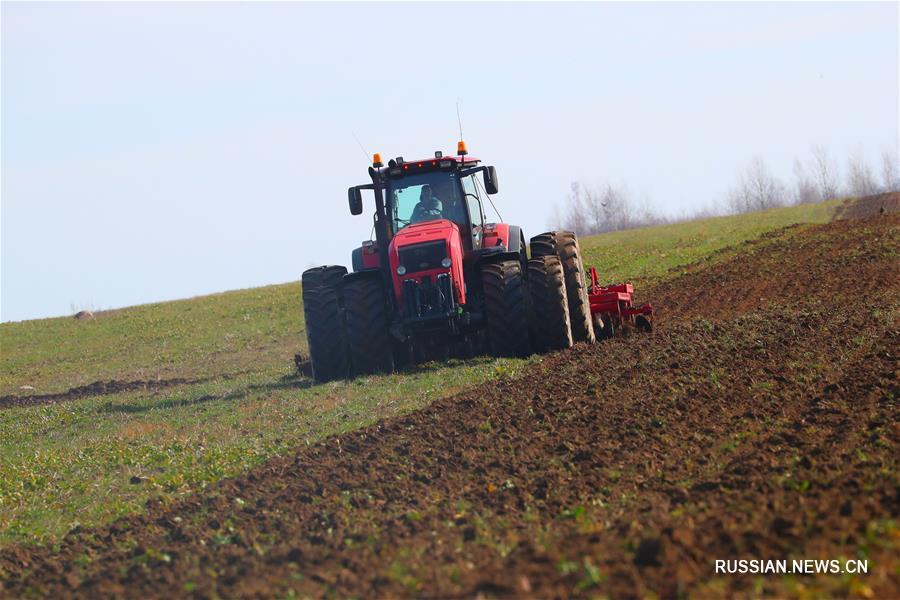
x=564 y=244
x=551 y=326
x=368 y=334
x=506 y=307
x=325 y=332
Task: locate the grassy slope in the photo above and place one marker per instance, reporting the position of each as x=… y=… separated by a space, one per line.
x=73 y=463
x=645 y=255
x=206 y=336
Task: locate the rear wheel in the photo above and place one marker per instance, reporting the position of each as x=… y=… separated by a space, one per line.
x=550 y=319
x=325 y=331
x=368 y=336
x=506 y=308
x=564 y=244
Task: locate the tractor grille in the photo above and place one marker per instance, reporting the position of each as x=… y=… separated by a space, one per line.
x=423 y=257
x=427 y=299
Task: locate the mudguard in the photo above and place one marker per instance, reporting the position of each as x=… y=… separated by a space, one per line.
x=365 y=257
x=503 y=234
x=364 y=274
x=356 y=259
x=510 y=237
x=515 y=239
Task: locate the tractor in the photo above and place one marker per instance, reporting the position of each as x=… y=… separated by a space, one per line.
x=439 y=280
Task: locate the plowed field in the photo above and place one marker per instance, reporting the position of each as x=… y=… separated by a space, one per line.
x=759 y=420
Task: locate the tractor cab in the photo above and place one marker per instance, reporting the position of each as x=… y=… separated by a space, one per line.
x=435 y=195
x=412 y=193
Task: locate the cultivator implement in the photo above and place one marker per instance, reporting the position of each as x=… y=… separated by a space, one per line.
x=612 y=307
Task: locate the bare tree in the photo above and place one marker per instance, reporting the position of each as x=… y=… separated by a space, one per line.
x=576 y=214
x=608 y=207
x=616 y=208
x=805 y=190
x=645 y=214
x=825 y=172
x=890 y=177
x=589 y=209
x=860 y=179
x=593 y=202
x=757 y=189
x=556 y=220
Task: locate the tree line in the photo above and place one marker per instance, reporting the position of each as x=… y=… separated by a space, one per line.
x=589 y=209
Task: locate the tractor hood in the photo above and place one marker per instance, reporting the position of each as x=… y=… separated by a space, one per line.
x=420 y=251
x=440 y=228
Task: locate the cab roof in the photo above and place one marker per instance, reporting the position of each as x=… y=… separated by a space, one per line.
x=399 y=166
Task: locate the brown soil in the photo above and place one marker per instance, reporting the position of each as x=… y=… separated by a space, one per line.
x=97 y=388
x=760 y=420
x=869 y=206
x=782 y=268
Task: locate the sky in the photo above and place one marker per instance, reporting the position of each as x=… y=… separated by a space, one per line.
x=155 y=151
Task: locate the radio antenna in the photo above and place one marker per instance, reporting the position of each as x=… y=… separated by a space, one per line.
x=459 y=119
x=366 y=154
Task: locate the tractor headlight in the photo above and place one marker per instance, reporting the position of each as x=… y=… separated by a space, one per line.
x=401 y=270
x=446 y=263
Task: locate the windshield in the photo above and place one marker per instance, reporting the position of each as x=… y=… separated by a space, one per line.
x=425 y=197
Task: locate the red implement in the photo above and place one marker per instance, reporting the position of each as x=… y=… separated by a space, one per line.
x=613 y=306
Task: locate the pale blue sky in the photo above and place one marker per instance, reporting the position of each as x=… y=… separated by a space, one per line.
x=156 y=151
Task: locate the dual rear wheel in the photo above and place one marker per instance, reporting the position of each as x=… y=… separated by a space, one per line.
x=346 y=324
x=555 y=310
x=506 y=308
x=325 y=331
x=368 y=326
x=564 y=245
x=550 y=322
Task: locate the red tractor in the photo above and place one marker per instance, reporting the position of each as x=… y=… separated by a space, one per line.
x=439 y=280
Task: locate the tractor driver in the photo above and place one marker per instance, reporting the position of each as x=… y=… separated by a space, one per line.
x=428 y=208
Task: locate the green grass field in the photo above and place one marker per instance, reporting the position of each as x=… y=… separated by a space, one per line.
x=86 y=461
x=643 y=256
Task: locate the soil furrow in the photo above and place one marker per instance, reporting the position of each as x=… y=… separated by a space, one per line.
x=97 y=388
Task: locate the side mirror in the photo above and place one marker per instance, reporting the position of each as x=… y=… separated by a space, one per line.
x=355 y=197
x=491 y=185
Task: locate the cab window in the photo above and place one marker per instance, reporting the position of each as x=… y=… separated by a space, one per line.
x=476 y=212
x=425 y=197
x=473 y=201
